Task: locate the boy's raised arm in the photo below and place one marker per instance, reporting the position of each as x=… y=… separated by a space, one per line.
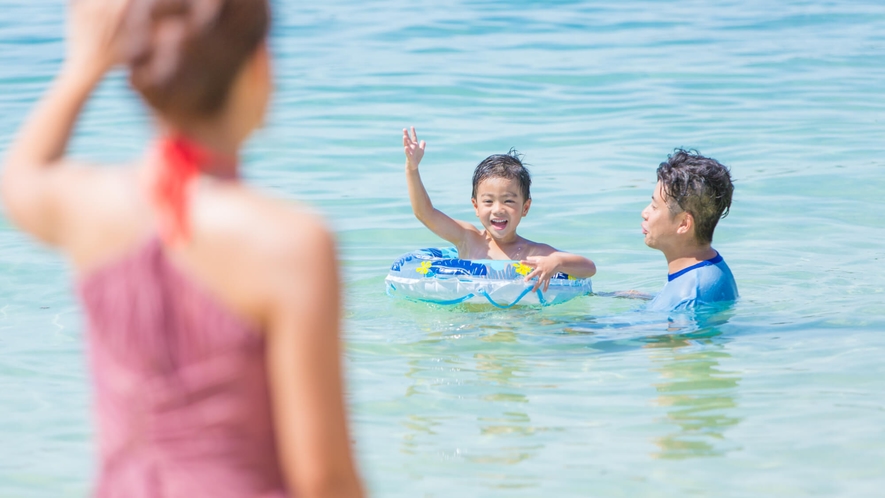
x=438 y=222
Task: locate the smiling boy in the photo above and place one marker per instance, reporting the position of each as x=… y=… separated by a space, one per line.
x=501 y=198
x=692 y=193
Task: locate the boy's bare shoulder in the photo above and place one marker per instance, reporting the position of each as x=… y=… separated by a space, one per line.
x=539 y=249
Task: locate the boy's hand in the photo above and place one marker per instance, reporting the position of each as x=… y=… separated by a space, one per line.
x=544 y=268
x=414 y=149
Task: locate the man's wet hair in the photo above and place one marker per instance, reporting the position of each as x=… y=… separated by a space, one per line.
x=508 y=166
x=698 y=185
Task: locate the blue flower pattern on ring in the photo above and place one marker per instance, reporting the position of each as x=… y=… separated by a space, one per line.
x=446 y=262
x=438 y=276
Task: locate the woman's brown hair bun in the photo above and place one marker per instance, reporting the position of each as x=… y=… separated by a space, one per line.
x=185 y=54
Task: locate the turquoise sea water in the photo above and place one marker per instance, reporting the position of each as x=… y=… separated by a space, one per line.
x=782 y=396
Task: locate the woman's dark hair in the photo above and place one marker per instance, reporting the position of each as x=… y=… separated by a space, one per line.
x=508 y=166
x=185 y=54
x=698 y=185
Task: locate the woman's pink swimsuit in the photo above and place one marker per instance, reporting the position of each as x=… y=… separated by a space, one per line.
x=181 y=391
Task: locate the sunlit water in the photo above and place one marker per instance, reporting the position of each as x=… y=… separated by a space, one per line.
x=783 y=395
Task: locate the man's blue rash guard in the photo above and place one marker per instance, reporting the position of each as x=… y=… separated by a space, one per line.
x=707 y=282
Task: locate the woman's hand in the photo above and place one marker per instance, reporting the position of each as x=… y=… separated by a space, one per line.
x=38 y=192
x=94 y=35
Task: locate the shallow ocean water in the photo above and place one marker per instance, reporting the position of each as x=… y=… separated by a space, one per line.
x=783 y=395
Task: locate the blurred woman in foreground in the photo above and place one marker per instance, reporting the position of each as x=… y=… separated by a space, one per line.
x=213 y=309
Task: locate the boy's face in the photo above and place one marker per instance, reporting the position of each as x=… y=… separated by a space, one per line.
x=499 y=206
x=661 y=227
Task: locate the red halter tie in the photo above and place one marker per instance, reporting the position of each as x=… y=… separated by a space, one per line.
x=182 y=159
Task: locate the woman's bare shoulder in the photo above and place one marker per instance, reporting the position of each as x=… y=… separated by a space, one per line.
x=52 y=204
x=264 y=246
x=264 y=224
x=102 y=212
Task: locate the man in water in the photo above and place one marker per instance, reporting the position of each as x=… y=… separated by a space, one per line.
x=692 y=193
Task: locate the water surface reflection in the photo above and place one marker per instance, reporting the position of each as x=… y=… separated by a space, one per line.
x=698 y=393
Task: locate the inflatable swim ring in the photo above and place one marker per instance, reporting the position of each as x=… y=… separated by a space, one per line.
x=438 y=276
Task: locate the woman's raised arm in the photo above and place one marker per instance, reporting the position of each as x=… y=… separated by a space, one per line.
x=33 y=185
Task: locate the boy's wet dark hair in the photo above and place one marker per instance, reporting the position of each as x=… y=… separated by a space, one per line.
x=508 y=166
x=699 y=185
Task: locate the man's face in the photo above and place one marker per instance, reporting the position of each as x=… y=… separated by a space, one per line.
x=659 y=224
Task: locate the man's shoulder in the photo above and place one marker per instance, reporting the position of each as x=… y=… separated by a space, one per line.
x=706 y=283
x=718 y=284
x=717 y=274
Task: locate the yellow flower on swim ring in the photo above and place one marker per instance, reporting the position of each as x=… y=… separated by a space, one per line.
x=424 y=269
x=571 y=278
x=522 y=269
